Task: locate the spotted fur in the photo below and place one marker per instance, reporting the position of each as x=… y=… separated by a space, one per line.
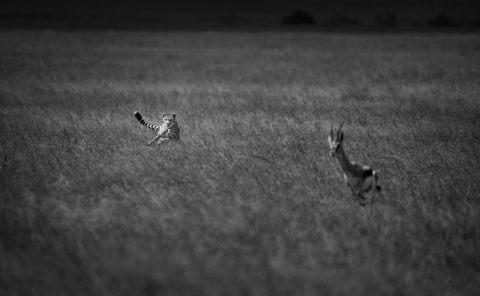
x=167 y=131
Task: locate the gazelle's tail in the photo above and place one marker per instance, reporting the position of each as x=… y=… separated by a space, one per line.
x=143 y=122
x=378 y=187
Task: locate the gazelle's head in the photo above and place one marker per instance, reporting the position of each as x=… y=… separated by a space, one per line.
x=169 y=119
x=335 y=140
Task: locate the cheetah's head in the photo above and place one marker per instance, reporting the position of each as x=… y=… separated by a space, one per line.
x=169 y=119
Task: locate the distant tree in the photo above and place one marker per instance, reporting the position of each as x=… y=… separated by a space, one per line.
x=386 y=20
x=298 y=17
x=441 y=20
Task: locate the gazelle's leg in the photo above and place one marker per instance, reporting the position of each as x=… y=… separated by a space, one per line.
x=356 y=193
x=368 y=189
x=362 y=200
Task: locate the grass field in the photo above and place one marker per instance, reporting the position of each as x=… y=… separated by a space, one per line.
x=249 y=203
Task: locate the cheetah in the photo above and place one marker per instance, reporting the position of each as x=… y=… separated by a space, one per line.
x=167 y=131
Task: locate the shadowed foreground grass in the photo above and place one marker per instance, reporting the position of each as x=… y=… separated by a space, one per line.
x=249 y=203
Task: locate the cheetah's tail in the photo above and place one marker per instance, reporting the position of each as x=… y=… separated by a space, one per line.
x=143 y=122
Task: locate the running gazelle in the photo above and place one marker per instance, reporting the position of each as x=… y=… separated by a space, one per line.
x=361 y=179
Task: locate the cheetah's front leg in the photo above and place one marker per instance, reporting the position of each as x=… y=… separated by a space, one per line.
x=153 y=140
x=162 y=140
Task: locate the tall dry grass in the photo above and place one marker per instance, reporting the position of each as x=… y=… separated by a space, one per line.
x=249 y=203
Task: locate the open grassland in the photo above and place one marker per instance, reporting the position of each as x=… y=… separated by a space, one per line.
x=249 y=203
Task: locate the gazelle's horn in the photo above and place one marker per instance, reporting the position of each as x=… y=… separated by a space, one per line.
x=331 y=130
x=340 y=128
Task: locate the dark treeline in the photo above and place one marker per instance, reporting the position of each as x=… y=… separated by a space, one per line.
x=231 y=15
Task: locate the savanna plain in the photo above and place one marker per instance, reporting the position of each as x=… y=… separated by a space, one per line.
x=248 y=202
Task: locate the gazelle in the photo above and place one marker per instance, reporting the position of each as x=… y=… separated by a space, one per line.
x=361 y=179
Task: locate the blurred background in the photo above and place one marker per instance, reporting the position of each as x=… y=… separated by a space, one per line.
x=321 y=15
